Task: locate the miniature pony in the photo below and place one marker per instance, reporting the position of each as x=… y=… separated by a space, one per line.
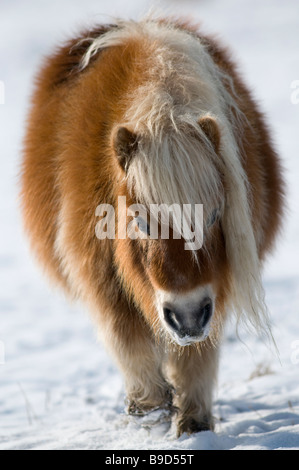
x=153 y=114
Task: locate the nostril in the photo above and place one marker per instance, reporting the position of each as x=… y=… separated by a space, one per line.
x=171 y=319
x=206 y=312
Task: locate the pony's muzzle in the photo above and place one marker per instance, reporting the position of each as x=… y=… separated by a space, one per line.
x=190 y=324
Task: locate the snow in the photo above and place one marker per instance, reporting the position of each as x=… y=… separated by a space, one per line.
x=59 y=388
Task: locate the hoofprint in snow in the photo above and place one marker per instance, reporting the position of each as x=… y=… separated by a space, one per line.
x=59 y=389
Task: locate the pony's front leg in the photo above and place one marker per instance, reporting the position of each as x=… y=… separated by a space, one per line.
x=146 y=388
x=140 y=361
x=193 y=374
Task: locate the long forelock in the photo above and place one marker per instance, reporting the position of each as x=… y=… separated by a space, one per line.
x=176 y=169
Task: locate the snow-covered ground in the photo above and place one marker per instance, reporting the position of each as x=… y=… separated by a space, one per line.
x=59 y=389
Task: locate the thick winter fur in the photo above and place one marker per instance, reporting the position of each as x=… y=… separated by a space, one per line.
x=156 y=112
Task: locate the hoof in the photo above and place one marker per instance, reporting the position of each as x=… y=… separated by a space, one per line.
x=138 y=408
x=192 y=426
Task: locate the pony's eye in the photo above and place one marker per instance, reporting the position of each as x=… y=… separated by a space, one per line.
x=213 y=217
x=142 y=225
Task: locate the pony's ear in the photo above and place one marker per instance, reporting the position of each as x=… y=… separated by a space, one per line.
x=210 y=127
x=125 y=144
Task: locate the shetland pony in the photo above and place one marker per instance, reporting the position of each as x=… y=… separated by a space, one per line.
x=156 y=113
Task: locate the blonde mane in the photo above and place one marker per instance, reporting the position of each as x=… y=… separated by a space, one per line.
x=176 y=163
